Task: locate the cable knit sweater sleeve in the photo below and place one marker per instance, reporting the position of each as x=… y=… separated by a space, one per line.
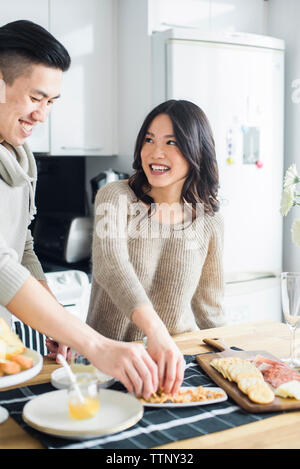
x=112 y=269
x=30 y=259
x=12 y=273
x=207 y=300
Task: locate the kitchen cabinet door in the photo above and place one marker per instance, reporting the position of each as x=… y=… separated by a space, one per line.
x=36 y=11
x=83 y=119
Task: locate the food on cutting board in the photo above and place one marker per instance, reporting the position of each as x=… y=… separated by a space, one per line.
x=290 y=389
x=183 y=396
x=248 y=378
x=11 y=348
x=284 y=380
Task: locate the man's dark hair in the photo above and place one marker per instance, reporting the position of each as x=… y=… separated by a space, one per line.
x=24 y=43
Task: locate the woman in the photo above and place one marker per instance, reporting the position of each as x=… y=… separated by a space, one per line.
x=157 y=247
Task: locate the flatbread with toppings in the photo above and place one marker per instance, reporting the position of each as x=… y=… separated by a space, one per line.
x=183 y=396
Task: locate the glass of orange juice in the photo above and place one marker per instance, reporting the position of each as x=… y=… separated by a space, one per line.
x=85 y=403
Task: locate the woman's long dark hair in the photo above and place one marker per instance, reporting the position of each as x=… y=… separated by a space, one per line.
x=195 y=141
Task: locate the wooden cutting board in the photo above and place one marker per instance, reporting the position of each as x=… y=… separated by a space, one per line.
x=279 y=404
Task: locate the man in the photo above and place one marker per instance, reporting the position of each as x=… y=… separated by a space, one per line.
x=32 y=63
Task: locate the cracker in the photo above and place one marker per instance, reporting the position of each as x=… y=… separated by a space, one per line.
x=236 y=369
x=245 y=383
x=249 y=373
x=222 y=364
x=260 y=393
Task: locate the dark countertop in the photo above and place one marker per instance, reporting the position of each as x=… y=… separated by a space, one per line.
x=55 y=266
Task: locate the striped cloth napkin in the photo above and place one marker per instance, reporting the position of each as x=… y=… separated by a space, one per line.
x=158 y=426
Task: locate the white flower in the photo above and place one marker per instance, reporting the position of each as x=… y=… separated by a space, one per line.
x=296 y=232
x=291 y=177
x=287 y=200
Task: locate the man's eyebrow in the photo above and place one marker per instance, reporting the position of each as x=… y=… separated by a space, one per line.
x=166 y=136
x=42 y=93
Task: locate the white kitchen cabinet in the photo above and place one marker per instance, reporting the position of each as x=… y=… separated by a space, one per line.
x=83 y=119
x=36 y=11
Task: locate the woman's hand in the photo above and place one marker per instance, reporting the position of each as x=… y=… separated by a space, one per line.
x=56 y=348
x=161 y=348
x=169 y=359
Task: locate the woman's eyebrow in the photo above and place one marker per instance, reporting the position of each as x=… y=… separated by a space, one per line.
x=165 y=136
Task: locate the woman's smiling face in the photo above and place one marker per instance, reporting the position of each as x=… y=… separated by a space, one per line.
x=162 y=161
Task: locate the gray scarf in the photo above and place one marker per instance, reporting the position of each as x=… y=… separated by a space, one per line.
x=19 y=170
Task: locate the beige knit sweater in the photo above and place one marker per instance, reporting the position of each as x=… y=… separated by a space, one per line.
x=17 y=208
x=137 y=260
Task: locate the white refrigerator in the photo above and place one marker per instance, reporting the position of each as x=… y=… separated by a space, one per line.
x=238 y=81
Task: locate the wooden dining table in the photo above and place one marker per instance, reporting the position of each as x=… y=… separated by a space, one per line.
x=281 y=431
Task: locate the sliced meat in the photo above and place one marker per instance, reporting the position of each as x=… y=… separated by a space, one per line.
x=274 y=372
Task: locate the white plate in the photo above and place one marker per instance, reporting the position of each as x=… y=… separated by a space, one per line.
x=48 y=413
x=60 y=379
x=190 y=404
x=12 y=380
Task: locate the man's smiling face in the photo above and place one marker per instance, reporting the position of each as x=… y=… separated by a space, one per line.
x=28 y=101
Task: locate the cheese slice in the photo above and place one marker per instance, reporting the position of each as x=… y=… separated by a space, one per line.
x=289 y=389
x=13 y=343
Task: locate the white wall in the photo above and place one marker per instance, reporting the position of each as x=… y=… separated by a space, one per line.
x=284 y=23
x=133 y=85
x=134 y=74
x=249 y=16
x=136 y=21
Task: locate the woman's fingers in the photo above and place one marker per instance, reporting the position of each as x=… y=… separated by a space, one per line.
x=161 y=363
x=142 y=373
x=170 y=372
x=171 y=367
x=168 y=358
x=52 y=346
x=55 y=348
x=179 y=376
x=174 y=372
x=63 y=350
x=152 y=367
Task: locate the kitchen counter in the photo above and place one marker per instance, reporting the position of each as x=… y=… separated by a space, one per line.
x=279 y=431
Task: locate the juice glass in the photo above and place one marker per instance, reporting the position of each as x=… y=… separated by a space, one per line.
x=83 y=399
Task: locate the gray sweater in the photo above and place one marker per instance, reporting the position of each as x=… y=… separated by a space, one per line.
x=17 y=187
x=177 y=271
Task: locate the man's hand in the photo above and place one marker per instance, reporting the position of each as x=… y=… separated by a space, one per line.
x=127 y=362
x=131 y=364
